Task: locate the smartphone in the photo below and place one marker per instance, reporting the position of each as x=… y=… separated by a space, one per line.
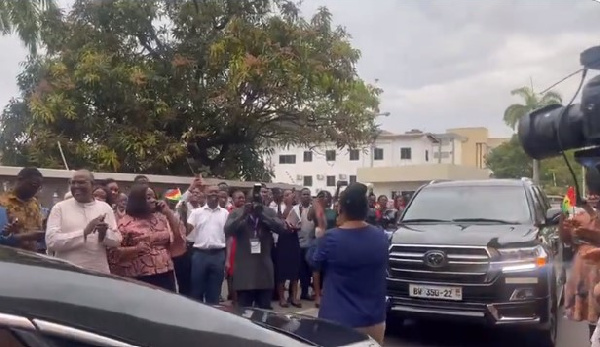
x=256 y=196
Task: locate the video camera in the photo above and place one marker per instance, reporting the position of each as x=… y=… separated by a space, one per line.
x=553 y=129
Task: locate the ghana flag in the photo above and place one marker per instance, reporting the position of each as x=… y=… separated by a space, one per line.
x=173 y=194
x=568 y=203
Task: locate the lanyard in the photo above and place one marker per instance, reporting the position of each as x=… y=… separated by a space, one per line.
x=255 y=221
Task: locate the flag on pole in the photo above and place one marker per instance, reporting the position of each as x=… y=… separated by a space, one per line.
x=173 y=194
x=568 y=203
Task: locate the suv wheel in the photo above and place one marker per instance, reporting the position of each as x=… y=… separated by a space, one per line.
x=393 y=322
x=547 y=337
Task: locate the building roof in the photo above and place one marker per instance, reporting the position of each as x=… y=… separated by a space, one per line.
x=408 y=135
x=450 y=136
x=128 y=177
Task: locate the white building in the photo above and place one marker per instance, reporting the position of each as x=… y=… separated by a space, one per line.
x=320 y=168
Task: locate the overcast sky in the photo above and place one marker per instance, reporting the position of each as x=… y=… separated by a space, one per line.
x=443 y=63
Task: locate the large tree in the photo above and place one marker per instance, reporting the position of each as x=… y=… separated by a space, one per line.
x=25 y=18
x=135 y=86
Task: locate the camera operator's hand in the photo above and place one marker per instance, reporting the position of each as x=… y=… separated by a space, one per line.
x=257 y=209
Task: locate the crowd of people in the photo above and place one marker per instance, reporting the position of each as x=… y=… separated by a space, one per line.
x=267 y=245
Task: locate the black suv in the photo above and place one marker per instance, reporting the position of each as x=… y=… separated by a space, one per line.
x=485 y=251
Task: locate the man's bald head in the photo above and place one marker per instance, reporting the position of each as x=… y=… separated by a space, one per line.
x=84 y=173
x=81 y=186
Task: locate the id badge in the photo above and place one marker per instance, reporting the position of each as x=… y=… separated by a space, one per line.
x=254 y=246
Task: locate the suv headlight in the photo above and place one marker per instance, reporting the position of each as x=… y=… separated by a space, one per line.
x=521 y=259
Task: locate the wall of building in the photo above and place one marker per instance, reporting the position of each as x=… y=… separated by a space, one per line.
x=319 y=168
x=57 y=181
x=476 y=145
x=389 y=189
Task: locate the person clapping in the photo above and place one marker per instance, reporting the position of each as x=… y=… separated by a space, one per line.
x=80 y=230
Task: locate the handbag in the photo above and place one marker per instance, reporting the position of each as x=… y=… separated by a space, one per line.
x=178 y=245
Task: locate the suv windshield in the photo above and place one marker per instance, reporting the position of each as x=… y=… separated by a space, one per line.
x=469 y=203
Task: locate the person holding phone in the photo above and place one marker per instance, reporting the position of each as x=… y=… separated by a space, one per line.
x=149 y=228
x=23 y=226
x=81 y=229
x=582 y=231
x=253 y=226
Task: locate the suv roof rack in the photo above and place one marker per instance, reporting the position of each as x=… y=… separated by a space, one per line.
x=526 y=179
x=438 y=181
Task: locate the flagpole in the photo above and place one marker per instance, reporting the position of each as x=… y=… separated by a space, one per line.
x=583 y=187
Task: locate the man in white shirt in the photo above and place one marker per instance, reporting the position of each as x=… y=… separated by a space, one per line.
x=207 y=224
x=80 y=230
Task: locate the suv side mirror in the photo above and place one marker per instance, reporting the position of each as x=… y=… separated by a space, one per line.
x=553 y=215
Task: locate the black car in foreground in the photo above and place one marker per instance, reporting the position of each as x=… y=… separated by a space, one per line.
x=45 y=302
x=482 y=251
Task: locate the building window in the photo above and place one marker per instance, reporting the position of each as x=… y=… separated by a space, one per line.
x=287 y=159
x=352 y=179
x=331 y=181
x=444 y=155
x=378 y=153
x=406 y=153
x=307 y=181
x=307 y=156
x=330 y=155
x=354 y=154
x=426 y=155
x=445 y=142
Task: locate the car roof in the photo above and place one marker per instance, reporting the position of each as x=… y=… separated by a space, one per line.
x=479 y=183
x=43 y=287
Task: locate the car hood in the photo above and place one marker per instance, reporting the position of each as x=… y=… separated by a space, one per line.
x=466 y=234
x=309 y=329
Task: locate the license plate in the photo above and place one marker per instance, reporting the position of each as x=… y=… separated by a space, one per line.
x=435 y=292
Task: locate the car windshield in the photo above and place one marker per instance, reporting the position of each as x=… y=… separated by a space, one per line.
x=494 y=204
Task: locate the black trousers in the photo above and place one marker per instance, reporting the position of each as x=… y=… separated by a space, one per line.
x=183 y=270
x=164 y=280
x=304 y=276
x=260 y=298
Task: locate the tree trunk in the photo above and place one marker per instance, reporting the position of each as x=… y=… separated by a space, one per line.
x=536 y=171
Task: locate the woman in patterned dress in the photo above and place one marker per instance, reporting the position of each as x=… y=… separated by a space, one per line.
x=578 y=231
x=147 y=230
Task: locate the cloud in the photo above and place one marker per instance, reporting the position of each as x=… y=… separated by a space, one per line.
x=447 y=64
x=442 y=63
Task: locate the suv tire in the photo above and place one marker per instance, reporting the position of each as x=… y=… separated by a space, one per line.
x=548 y=337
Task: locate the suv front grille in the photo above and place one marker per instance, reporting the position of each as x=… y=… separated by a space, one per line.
x=464 y=264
